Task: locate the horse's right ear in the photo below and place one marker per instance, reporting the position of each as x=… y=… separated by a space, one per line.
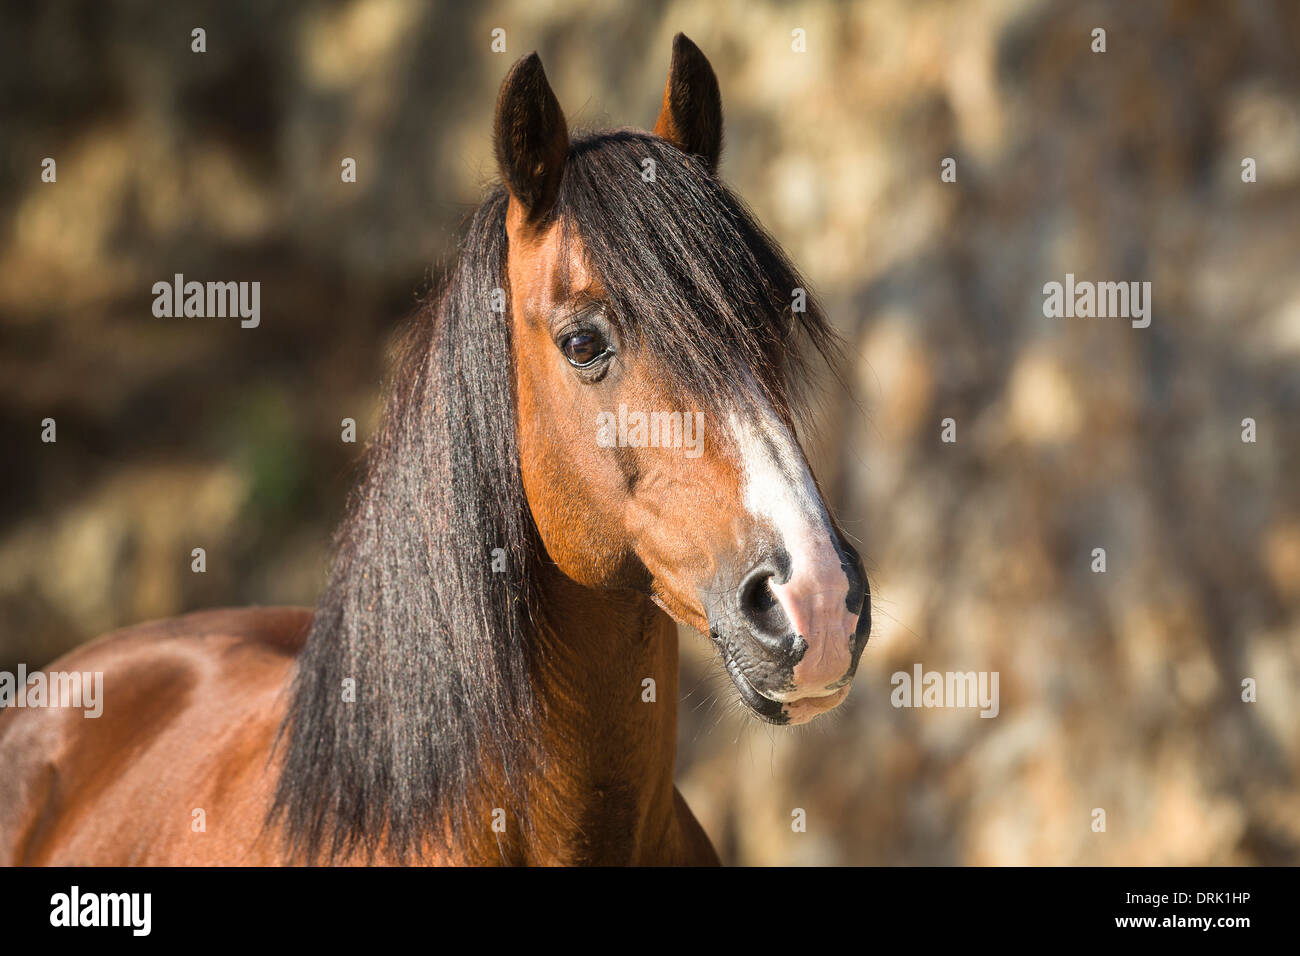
x=532 y=140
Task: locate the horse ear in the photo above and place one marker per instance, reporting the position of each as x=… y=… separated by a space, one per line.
x=532 y=140
x=691 y=117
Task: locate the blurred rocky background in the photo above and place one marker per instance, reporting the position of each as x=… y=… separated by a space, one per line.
x=1120 y=691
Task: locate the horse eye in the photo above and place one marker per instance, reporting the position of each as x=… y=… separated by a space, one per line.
x=583 y=348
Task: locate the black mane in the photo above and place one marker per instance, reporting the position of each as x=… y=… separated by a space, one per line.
x=438 y=643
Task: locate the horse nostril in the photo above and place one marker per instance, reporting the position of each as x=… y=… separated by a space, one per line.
x=756 y=594
x=762 y=612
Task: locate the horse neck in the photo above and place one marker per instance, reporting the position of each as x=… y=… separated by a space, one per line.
x=604 y=792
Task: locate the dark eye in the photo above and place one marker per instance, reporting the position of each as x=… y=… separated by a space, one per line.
x=583 y=348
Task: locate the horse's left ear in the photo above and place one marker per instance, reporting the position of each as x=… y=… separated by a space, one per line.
x=532 y=140
x=691 y=117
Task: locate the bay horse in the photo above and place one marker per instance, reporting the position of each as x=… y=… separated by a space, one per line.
x=491 y=673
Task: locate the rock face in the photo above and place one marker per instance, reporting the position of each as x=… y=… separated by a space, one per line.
x=1120 y=691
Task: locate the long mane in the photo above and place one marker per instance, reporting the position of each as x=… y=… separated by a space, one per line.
x=434 y=639
x=437 y=644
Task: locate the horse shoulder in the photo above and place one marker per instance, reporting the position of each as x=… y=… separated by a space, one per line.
x=177 y=768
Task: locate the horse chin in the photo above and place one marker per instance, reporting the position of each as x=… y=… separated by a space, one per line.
x=786 y=713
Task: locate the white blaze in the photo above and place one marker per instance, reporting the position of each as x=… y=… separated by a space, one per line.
x=779 y=491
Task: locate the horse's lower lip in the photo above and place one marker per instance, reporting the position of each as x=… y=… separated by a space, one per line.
x=806 y=708
x=797 y=711
x=773 y=711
